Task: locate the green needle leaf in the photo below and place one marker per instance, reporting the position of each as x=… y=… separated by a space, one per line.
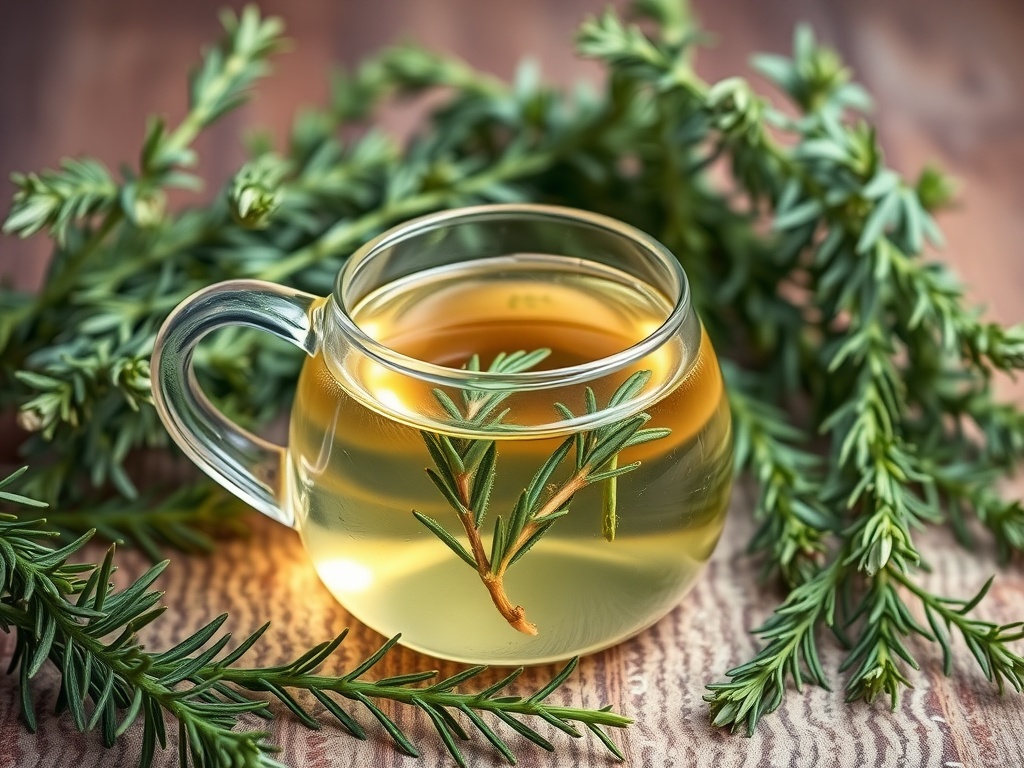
x=543 y=475
x=483 y=482
x=555 y=683
x=438 y=530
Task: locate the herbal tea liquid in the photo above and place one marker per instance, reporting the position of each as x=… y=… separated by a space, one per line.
x=357 y=470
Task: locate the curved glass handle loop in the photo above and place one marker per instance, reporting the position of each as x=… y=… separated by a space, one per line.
x=248 y=466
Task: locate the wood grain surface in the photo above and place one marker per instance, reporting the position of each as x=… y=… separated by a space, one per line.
x=80 y=78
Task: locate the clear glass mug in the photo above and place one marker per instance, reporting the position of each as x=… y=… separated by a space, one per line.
x=510 y=441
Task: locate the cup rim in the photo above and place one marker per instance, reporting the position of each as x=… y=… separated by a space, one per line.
x=525 y=380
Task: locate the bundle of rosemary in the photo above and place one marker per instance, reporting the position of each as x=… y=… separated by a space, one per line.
x=833 y=306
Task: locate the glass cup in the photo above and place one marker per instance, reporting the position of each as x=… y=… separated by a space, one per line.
x=510 y=440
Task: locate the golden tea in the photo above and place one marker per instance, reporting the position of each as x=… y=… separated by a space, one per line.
x=357 y=464
x=509 y=443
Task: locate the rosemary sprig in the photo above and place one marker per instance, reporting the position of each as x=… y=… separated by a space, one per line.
x=757 y=687
x=72 y=616
x=464 y=472
x=189 y=519
x=795 y=523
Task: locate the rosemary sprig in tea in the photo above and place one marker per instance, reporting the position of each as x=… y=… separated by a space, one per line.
x=464 y=472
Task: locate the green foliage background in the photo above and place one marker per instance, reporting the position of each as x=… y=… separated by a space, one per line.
x=895 y=370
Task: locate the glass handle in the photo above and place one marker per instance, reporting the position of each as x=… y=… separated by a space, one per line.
x=248 y=466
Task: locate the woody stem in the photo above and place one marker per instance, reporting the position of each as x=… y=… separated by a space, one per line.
x=515 y=615
x=559 y=499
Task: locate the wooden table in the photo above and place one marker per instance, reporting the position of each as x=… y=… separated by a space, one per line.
x=80 y=78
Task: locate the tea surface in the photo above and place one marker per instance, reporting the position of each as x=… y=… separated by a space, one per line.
x=357 y=471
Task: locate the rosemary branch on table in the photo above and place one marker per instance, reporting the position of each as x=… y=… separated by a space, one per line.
x=66 y=612
x=892 y=368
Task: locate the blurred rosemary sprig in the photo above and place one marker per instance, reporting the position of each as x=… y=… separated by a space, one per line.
x=881 y=345
x=893 y=369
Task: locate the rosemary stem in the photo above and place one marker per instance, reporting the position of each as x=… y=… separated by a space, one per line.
x=58 y=287
x=558 y=499
x=247 y=678
x=476 y=544
x=927 y=598
x=347 y=233
x=514 y=614
x=609 y=501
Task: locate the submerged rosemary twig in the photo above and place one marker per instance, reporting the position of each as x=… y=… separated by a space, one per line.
x=464 y=472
